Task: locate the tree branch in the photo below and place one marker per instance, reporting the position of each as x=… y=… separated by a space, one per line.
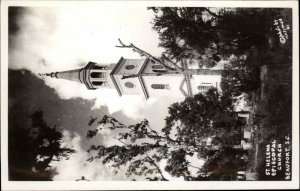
x=121 y=141
x=129 y=76
x=177 y=68
x=157 y=136
x=151 y=161
x=154 y=59
x=194 y=166
x=212 y=13
x=148 y=126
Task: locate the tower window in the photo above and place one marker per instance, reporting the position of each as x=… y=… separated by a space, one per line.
x=129 y=67
x=160 y=86
x=204 y=88
x=98 y=75
x=97 y=83
x=97 y=67
x=129 y=85
x=206 y=83
x=158 y=68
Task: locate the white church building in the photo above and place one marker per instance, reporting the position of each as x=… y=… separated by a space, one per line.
x=143 y=77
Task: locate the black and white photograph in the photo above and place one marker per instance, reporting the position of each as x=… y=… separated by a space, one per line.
x=137 y=92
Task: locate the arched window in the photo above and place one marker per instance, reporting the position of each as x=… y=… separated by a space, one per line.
x=99 y=67
x=98 y=75
x=129 y=67
x=206 y=83
x=129 y=85
x=96 y=83
x=204 y=88
x=160 y=86
x=158 y=68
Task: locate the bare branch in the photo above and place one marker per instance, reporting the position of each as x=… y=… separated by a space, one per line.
x=129 y=76
x=173 y=63
x=194 y=166
x=148 y=126
x=123 y=45
x=121 y=141
x=121 y=42
x=154 y=59
x=212 y=13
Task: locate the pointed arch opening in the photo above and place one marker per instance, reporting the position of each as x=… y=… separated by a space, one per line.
x=158 y=68
x=97 y=67
x=97 y=83
x=98 y=75
x=204 y=88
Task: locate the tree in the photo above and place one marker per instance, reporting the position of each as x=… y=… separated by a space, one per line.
x=204 y=35
x=175 y=67
x=189 y=125
x=242 y=77
x=177 y=27
x=224 y=163
x=203 y=114
x=49 y=141
x=35 y=148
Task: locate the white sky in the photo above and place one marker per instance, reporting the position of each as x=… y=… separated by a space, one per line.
x=56 y=39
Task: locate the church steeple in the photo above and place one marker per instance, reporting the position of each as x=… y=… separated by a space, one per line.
x=142 y=77
x=72 y=75
x=92 y=75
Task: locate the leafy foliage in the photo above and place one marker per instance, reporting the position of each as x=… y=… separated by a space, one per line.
x=224 y=163
x=205 y=36
x=242 y=77
x=190 y=123
x=200 y=117
x=35 y=148
x=177 y=165
x=177 y=28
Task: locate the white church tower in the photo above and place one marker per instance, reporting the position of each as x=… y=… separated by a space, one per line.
x=143 y=77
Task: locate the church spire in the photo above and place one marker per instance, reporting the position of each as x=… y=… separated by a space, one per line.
x=72 y=75
x=92 y=75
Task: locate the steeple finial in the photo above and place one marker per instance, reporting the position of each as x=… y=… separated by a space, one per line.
x=92 y=75
x=44 y=74
x=72 y=75
x=52 y=74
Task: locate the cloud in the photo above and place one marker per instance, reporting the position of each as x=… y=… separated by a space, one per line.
x=130 y=105
x=57 y=39
x=195 y=163
x=77 y=166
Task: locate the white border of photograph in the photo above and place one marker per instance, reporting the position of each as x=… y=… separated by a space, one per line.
x=139 y=185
